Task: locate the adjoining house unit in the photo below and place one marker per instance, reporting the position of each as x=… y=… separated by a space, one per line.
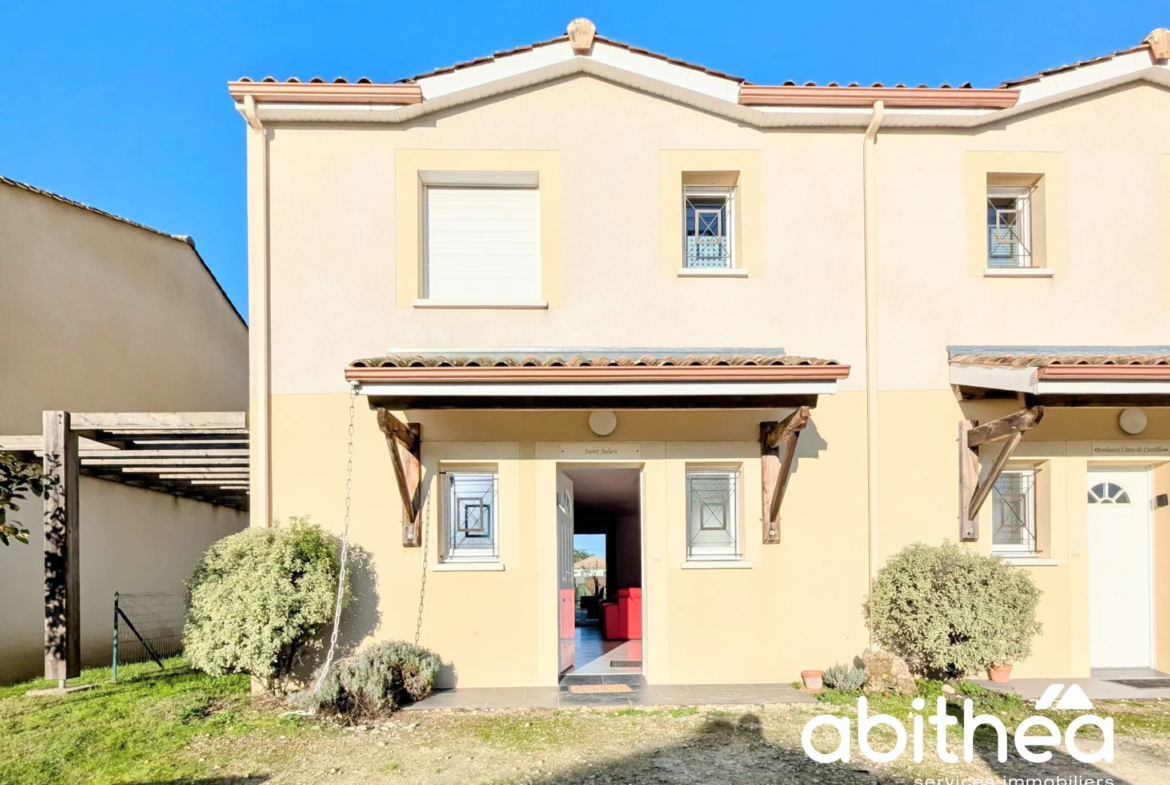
x=125 y=329
x=557 y=280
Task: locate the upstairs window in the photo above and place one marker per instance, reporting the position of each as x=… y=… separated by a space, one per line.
x=1014 y=512
x=1009 y=226
x=470 y=516
x=481 y=243
x=712 y=514
x=708 y=222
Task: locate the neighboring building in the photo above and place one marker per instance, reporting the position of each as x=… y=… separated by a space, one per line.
x=101 y=314
x=925 y=257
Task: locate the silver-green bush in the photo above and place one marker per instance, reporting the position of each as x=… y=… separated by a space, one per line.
x=847 y=678
x=257 y=597
x=951 y=612
x=375 y=681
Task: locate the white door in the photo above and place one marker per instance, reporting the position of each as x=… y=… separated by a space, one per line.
x=1120 y=584
x=566 y=589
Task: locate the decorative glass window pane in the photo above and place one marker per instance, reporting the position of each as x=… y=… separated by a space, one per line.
x=1108 y=493
x=1009 y=220
x=469 y=516
x=1014 y=512
x=712 y=514
x=708 y=225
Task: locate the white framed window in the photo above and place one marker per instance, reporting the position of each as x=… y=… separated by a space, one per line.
x=1009 y=226
x=1014 y=511
x=481 y=242
x=709 y=227
x=470 y=516
x=712 y=513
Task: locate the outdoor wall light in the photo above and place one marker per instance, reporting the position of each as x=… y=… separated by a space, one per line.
x=1132 y=421
x=602 y=422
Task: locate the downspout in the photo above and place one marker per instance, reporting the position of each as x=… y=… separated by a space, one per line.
x=871 y=343
x=259 y=332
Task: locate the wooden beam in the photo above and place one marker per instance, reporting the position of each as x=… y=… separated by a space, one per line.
x=405 y=443
x=1005 y=426
x=62 y=549
x=182 y=421
x=973 y=491
x=777 y=454
x=968 y=482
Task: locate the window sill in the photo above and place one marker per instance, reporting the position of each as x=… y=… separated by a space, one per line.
x=715 y=272
x=1027 y=561
x=717 y=564
x=468 y=566
x=517 y=304
x=1018 y=272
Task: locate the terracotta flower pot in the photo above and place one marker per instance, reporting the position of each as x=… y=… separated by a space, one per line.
x=813 y=680
x=1000 y=674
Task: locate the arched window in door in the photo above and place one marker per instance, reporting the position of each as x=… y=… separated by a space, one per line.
x=1108 y=493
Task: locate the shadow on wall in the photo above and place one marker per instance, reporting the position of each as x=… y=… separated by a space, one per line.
x=361 y=617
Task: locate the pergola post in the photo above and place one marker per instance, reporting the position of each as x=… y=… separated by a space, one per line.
x=62 y=550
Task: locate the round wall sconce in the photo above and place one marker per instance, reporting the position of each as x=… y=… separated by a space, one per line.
x=602 y=422
x=1132 y=421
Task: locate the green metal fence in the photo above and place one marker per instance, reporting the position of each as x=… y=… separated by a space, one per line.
x=147 y=626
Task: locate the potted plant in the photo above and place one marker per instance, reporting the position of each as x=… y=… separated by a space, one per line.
x=1000 y=673
x=812 y=680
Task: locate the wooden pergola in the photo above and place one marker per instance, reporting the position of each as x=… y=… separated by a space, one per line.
x=194 y=455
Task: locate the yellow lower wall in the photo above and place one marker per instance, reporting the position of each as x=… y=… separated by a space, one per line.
x=799 y=604
x=762 y=624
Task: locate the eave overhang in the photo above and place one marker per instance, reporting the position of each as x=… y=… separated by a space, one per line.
x=326 y=92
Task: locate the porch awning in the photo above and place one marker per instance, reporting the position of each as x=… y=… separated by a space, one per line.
x=587 y=380
x=1092 y=376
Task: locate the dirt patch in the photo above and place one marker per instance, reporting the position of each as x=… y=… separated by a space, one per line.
x=748 y=745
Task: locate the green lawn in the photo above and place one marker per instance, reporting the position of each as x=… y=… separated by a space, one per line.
x=126 y=731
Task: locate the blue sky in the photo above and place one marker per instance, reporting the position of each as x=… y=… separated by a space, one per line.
x=123 y=105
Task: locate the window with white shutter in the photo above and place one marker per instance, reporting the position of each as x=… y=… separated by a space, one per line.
x=482 y=244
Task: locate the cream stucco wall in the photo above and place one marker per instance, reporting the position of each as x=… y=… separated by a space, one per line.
x=334 y=218
x=103 y=316
x=132 y=540
x=100 y=315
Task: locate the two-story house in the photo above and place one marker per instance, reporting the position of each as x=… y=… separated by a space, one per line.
x=760 y=336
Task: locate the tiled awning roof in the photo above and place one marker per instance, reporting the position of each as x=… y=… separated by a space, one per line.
x=1112 y=371
x=583 y=360
x=1045 y=360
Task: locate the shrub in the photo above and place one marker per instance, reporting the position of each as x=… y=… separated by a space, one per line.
x=375 y=681
x=257 y=597
x=846 y=678
x=951 y=612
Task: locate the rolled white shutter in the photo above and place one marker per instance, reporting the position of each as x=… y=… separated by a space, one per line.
x=483 y=244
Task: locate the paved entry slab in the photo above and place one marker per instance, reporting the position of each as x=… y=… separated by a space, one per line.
x=639 y=695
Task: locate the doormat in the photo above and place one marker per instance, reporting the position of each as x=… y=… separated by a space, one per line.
x=1143 y=684
x=625 y=663
x=588 y=689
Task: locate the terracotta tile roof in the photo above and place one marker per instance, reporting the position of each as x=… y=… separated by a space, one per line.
x=578 y=361
x=94 y=210
x=1072 y=66
x=562 y=38
x=1045 y=360
x=314 y=80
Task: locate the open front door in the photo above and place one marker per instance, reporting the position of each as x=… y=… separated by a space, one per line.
x=566 y=587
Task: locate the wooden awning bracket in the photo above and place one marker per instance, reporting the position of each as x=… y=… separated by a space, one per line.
x=777 y=453
x=405 y=443
x=973 y=492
